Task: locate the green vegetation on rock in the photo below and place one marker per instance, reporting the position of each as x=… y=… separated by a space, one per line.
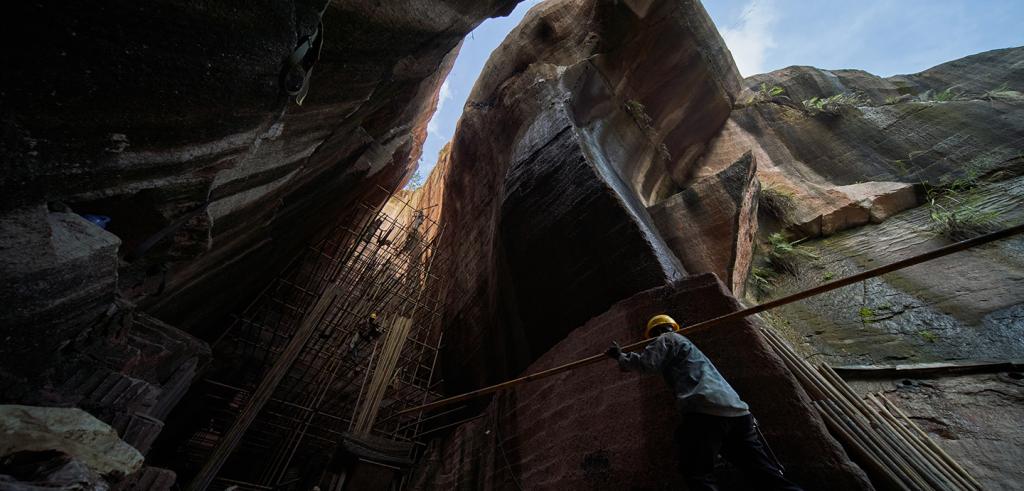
x=761 y=281
x=778 y=202
x=785 y=256
x=956 y=211
x=833 y=105
x=766 y=93
x=946 y=95
x=867 y=314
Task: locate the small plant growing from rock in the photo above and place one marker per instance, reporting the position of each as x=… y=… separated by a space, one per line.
x=765 y=93
x=956 y=211
x=946 y=95
x=961 y=218
x=1001 y=92
x=761 y=281
x=901 y=167
x=828 y=276
x=867 y=314
x=639 y=112
x=929 y=336
x=779 y=202
x=785 y=256
x=636 y=109
x=833 y=105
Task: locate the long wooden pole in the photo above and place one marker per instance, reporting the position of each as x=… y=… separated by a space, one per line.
x=739 y=314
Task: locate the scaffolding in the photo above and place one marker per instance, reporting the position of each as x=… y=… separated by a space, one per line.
x=324 y=360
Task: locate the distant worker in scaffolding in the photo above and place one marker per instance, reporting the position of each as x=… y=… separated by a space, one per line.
x=367 y=331
x=714 y=418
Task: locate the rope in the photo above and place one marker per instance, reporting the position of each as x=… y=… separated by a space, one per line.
x=739 y=314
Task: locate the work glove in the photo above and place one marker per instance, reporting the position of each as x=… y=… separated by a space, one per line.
x=615 y=351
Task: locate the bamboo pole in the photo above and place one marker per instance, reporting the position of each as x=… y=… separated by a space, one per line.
x=844 y=410
x=933 y=461
x=739 y=314
x=884 y=467
x=934 y=446
x=876 y=466
x=853 y=410
x=857 y=429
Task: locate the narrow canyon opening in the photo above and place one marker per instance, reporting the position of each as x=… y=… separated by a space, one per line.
x=231 y=261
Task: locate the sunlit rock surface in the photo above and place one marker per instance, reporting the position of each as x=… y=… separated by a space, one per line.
x=68 y=430
x=924 y=160
x=901 y=131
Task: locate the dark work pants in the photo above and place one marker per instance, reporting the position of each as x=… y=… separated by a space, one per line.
x=702 y=437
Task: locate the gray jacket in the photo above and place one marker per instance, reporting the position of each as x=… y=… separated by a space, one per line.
x=698 y=386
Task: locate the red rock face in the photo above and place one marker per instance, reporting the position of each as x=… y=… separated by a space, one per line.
x=562 y=147
x=711 y=224
x=598 y=428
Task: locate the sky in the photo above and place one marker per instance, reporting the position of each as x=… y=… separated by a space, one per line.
x=884 y=37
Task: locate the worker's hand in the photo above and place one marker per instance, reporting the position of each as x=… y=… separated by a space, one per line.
x=615 y=351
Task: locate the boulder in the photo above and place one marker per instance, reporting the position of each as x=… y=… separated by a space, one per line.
x=68 y=430
x=711 y=224
x=59 y=276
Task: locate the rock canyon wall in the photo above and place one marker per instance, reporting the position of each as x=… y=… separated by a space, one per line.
x=610 y=164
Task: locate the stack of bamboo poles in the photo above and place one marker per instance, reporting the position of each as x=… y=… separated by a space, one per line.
x=383 y=374
x=882 y=439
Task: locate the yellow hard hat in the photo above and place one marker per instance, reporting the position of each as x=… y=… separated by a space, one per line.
x=660 y=320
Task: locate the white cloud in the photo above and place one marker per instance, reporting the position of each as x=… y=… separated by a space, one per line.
x=752 y=36
x=443 y=96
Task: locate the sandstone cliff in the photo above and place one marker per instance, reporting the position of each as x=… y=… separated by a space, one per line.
x=610 y=164
x=572 y=183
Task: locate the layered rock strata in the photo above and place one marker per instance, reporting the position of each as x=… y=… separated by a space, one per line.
x=173 y=121
x=844 y=166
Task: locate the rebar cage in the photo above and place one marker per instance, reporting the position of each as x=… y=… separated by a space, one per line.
x=331 y=350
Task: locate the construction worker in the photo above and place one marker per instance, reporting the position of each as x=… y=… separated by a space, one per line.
x=366 y=331
x=714 y=418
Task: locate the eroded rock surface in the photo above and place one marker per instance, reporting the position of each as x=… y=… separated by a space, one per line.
x=960 y=307
x=568 y=136
x=881 y=140
x=201 y=146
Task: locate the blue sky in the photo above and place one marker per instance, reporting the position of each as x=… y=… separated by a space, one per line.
x=884 y=37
